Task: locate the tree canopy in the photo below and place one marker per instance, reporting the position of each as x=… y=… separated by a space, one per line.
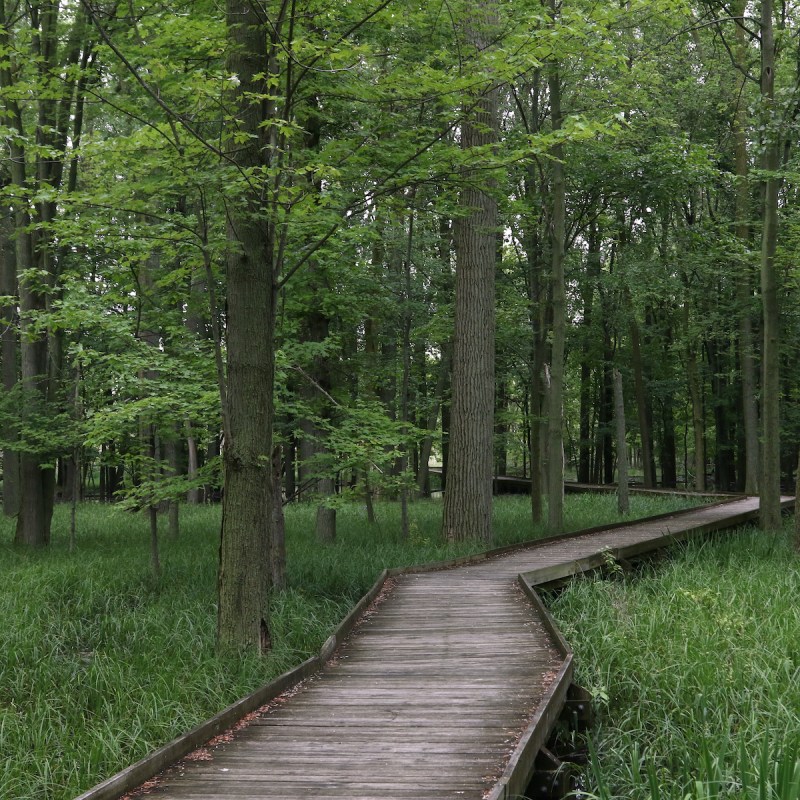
x=287 y=250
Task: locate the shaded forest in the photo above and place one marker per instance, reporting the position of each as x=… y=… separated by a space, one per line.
x=303 y=249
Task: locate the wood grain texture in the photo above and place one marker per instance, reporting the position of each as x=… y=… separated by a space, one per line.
x=447 y=690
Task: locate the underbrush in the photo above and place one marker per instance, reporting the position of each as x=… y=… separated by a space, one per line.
x=695 y=669
x=100 y=662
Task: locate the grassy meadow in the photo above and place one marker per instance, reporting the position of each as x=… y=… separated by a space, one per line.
x=100 y=662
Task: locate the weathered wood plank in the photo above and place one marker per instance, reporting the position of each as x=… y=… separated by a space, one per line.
x=455 y=679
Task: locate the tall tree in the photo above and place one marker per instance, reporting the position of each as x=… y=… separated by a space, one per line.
x=467 y=511
x=770 y=488
x=255 y=48
x=555 y=427
x=36 y=58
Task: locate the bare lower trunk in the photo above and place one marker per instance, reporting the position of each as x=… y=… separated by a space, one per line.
x=467 y=512
x=193 y=495
x=770 y=489
x=555 y=425
x=326 y=516
x=171 y=453
x=247 y=515
x=278 y=541
x=797 y=505
x=8 y=355
x=645 y=426
x=623 y=501
x=698 y=422
x=744 y=285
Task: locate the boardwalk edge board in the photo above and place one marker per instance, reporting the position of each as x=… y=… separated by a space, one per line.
x=156 y=762
x=520 y=767
x=151 y=765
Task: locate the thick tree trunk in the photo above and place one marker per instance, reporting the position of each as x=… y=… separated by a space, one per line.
x=770 y=489
x=538 y=301
x=245 y=542
x=467 y=512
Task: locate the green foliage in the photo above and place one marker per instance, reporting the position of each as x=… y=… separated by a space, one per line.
x=693 y=668
x=100 y=662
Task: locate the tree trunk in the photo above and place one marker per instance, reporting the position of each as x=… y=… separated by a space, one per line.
x=467 y=512
x=623 y=502
x=797 y=505
x=669 y=464
x=37 y=479
x=593 y=266
x=155 y=459
x=770 y=286
x=555 y=444
x=9 y=355
x=245 y=542
x=744 y=284
x=171 y=453
x=640 y=391
x=698 y=419
x=277 y=554
x=193 y=495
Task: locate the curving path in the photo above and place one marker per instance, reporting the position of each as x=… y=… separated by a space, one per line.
x=447 y=687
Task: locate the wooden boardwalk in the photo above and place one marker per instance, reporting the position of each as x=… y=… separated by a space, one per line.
x=447 y=687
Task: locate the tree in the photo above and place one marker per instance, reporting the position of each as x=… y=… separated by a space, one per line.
x=555 y=400
x=41 y=139
x=244 y=575
x=770 y=487
x=467 y=512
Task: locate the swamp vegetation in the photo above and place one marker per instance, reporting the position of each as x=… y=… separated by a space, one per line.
x=100 y=661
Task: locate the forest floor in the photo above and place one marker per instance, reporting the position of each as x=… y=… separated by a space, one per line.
x=100 y=662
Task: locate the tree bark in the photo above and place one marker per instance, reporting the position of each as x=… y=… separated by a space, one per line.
x=623 y=501
x=744 y=285
x=555 y=445
x=593 y=266
x=640 y=390
x=467 y=512
x=770 y=489
x=277 y=555
x=9 y=355
x=698 y=419
x=245 y=542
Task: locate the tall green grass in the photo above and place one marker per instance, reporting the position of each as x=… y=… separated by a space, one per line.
x=100 y=662
x=695 y=669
